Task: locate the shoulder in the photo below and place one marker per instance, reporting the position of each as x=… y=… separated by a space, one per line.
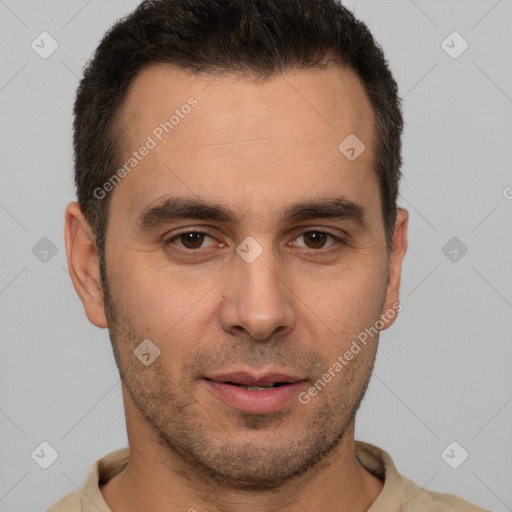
x=418 y=499
x=400 y=493
x=99 y=473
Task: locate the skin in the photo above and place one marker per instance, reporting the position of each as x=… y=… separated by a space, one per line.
x=255 y=147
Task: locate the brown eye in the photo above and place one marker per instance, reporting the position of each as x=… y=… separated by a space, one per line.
x=190 y=240
x=316 y=239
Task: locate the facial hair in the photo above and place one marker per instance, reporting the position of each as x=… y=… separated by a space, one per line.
x=232 y=457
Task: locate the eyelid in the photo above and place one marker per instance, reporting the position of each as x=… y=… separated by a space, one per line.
x=167 y=240
x=320 y=229
x=338 y=241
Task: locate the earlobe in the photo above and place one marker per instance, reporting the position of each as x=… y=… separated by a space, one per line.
x=391 y=304
x=83 y=264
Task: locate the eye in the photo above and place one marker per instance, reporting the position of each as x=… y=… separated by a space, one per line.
x=316 y=239
x=190 y=239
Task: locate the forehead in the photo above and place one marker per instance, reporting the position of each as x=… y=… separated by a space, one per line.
x=246 y=139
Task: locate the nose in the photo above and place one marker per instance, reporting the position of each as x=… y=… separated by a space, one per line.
x=257 y=299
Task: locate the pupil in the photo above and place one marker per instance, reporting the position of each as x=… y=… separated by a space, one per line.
x=317 y=238
x=192 y=240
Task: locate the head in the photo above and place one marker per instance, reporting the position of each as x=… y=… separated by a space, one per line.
x=226 y=118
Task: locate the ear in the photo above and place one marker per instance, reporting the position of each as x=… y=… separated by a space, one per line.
x=391 y=304
x=83 y=264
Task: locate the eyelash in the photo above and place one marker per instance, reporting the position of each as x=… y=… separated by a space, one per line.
x=338 y=241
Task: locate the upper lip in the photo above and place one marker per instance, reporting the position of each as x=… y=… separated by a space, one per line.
x=254 y=379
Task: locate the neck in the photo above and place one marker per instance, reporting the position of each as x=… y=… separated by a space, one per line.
x=157 y=480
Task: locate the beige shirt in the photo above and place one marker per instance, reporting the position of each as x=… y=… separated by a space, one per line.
x=398 y=493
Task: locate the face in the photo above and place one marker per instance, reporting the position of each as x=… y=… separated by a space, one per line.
x=249 y=250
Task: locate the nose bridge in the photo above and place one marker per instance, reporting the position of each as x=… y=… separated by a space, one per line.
x=257 y=300
x=261 y=277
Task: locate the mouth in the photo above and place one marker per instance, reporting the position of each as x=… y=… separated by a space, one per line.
x=256 y=394
x=258 y=388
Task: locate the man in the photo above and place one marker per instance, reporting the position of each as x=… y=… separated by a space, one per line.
x=237 y=167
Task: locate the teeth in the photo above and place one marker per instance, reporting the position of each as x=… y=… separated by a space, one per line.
x=257 y=388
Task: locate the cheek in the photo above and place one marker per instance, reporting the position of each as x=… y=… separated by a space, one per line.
x=160 y=303
x=344 y=305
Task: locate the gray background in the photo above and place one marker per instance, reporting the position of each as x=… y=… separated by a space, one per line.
x=443 y=371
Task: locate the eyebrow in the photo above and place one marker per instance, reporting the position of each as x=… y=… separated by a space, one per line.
x=174 y=208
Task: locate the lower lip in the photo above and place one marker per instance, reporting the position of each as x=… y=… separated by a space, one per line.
x=255 y=402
